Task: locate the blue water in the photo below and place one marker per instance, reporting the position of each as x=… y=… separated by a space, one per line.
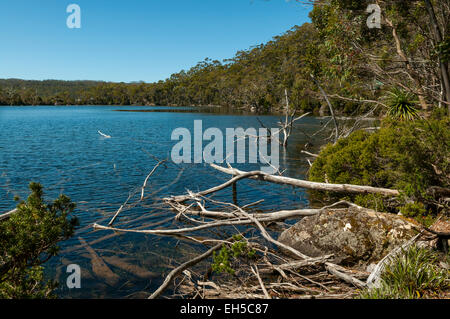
x=61 y=148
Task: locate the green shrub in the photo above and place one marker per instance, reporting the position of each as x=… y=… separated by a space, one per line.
x=409 y=156
x=439 y=112
x=222 y=261
x=413 y=274
x=28 y=239
x=418 y=212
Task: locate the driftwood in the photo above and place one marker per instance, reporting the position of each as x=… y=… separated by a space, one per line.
x=148 y=176
x=282 y=215
x=269 y=238
x=298 y=264
x=305 y=262
x=265 y=217
x=261 y=283
x=113 y=219
x=334 y=269
x=309 y=154
x=374 y=278
x=273 y=273
x=232 y=181
x=7 y=215
x=132 y=194
x=341 y=188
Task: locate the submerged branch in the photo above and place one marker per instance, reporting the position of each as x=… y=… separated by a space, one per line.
x=181 y=268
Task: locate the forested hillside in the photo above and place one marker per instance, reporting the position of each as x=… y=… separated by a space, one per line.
x=30 y=92
x=253 y=79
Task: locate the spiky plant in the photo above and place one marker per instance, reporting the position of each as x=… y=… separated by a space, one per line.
x=413 y=274
x=402 y=105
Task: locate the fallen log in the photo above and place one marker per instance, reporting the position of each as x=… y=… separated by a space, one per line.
x=295 y=265
x=340 y=188
x=129 y=267
x=270 y=239
x=183 y=198
x=375 y=275
x=99 y=267
x=7 y=215
x=233 y=215
x=274 y=216
x=335 y=270
x=261 y=283
x=309 y=154
x=229 y=222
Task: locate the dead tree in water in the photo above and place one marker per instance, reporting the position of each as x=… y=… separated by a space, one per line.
x=287 y=125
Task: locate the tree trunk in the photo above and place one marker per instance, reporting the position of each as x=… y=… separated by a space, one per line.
x=411 y=72
x=445 y=77
x=336 y=128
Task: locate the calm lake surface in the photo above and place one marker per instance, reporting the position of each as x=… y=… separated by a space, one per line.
x=61 y=148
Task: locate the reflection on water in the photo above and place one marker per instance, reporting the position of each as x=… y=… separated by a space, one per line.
x=60 y=147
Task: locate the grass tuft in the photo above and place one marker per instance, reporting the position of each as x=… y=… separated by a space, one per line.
x=411 y=275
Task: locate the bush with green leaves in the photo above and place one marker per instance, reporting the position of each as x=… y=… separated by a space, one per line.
x=413 y=274
x=410 y=156
x=222 y=261
x=418 y=212
x=28 y=239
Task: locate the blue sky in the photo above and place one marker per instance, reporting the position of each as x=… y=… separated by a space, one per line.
x=133 y=40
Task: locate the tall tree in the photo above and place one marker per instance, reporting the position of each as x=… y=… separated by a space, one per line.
x=407 y=52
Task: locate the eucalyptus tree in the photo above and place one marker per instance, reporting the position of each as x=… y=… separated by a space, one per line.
x=409 y=50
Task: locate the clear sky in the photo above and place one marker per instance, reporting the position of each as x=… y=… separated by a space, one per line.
x=133 y=40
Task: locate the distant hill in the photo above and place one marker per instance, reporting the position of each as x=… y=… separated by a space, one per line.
x=253 y=79
x=48 y=87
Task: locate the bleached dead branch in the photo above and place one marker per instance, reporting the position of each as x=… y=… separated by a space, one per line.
x=7 y=215
x=341 y=188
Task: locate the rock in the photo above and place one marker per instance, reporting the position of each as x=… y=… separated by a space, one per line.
x=355 y=237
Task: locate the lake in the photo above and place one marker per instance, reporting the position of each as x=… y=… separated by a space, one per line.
x=60 y=147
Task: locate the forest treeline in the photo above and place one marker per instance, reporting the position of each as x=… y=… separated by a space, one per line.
x=254 y=78
x=355 y=65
